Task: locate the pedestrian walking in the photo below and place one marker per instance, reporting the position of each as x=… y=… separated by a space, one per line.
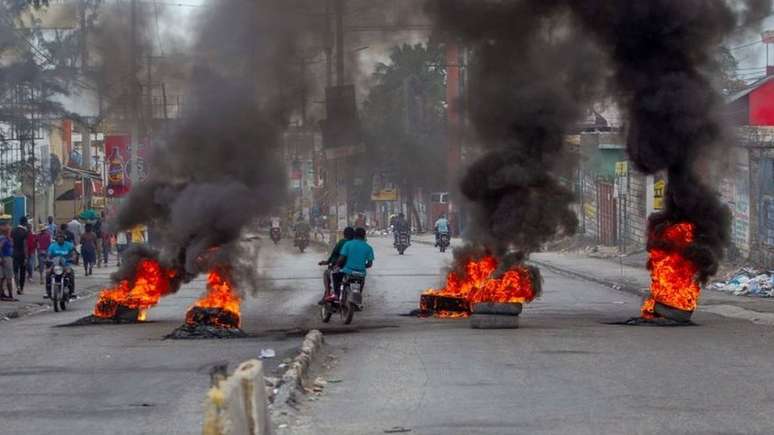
x=122 y=241
x=51 y=226
x=89 y=249
x=6 y=260
x=75 y=227
x=43 y=242
x=19 y=237
x=98 y=233
x=106 y=245
x=32 y=245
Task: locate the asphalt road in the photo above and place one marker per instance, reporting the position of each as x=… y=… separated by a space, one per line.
x=563 y=372
x=125 y=379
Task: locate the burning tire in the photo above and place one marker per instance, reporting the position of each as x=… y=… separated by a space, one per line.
x=672 y=313
x=494 y=321
x=500 y=309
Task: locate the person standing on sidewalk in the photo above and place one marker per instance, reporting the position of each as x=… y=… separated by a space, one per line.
x=122 y=241
x=6 y=261
x=19 y=237
x=75 y=227
x=43 y=242
x=89 y=249
x=32 y=244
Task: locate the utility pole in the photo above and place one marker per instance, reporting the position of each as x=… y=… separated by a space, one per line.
x=340 y=42
x=134 y=97
x=84 y=125
x=328 y=46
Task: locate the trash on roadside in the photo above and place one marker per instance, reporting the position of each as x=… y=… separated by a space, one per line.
x=267 y=353
x=334 y=381
x=748 y=282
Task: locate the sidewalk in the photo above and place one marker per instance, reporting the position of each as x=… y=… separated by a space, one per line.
x=636 y=280
x=32 y=302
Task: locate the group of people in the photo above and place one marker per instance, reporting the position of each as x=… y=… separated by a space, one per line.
x=24 y=250
x=351 y=254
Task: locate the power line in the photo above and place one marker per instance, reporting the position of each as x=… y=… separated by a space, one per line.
x=746 y=45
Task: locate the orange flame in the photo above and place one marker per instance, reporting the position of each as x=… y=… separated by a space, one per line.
x=220 y=294
x=151 y=283
x=673 y=277
x=515 y=286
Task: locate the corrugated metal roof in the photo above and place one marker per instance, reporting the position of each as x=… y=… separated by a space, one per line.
x=746 y=91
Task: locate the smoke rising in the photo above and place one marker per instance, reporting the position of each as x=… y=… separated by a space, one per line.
x=222 y=167
x=538 y=64
x=530 y=78
x=662 y=58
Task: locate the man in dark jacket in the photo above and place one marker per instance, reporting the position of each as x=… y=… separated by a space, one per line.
x=21 y=252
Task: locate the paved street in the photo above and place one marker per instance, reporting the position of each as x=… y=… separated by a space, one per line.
x=564 y=371
x=125 y=379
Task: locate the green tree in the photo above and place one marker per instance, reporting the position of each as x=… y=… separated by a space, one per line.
x=404 y=118
x=728 y=82
x=35 y=68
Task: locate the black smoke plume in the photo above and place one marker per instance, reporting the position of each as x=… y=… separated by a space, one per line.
x=221 y=168
x=531 y=77
x=661 y=54
x=538 y=64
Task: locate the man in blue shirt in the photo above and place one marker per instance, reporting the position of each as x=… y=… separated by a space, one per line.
x=66 y=250
x=441 y=227
x=356 y=255
x=6 y=260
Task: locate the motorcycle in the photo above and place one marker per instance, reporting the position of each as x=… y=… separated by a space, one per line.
x=301 y=241
x=402 y=242
x=443 y=241
x=350 y=299
x=61 y=282
x=276 y=235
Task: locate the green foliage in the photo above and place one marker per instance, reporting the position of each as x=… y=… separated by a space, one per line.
x=727 y=67
x=404 y=116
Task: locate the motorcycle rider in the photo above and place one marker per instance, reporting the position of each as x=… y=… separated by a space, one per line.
x=302 y=228
x=401 y=226
x=356 y=255
x=441 y=227
x=348 y=234
x=66 y=250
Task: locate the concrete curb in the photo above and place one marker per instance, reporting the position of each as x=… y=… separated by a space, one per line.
x=611 y=284
x=292 y=380
x=237 y=405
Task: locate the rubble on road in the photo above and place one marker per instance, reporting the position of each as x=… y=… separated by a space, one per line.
x=747 y=281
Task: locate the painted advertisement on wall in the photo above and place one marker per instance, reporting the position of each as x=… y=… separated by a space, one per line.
x=117 y=157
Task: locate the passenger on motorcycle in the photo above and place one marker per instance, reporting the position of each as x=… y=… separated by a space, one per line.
x=401 y=226
x=66 y=250
x=441 y=227
x=333 y=270
x=356 y=255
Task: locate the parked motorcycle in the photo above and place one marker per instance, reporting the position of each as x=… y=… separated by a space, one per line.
x=275 y=234
x=402 y=242
x=61 y=283
x=301 y=241
x=350 y=299
x=443 y=241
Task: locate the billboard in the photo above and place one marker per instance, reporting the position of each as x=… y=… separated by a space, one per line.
x=117 y=158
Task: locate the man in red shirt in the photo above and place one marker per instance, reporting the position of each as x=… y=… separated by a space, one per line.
x=43 y=240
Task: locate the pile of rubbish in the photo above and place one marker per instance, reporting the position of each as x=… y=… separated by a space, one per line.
x=748 y=282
